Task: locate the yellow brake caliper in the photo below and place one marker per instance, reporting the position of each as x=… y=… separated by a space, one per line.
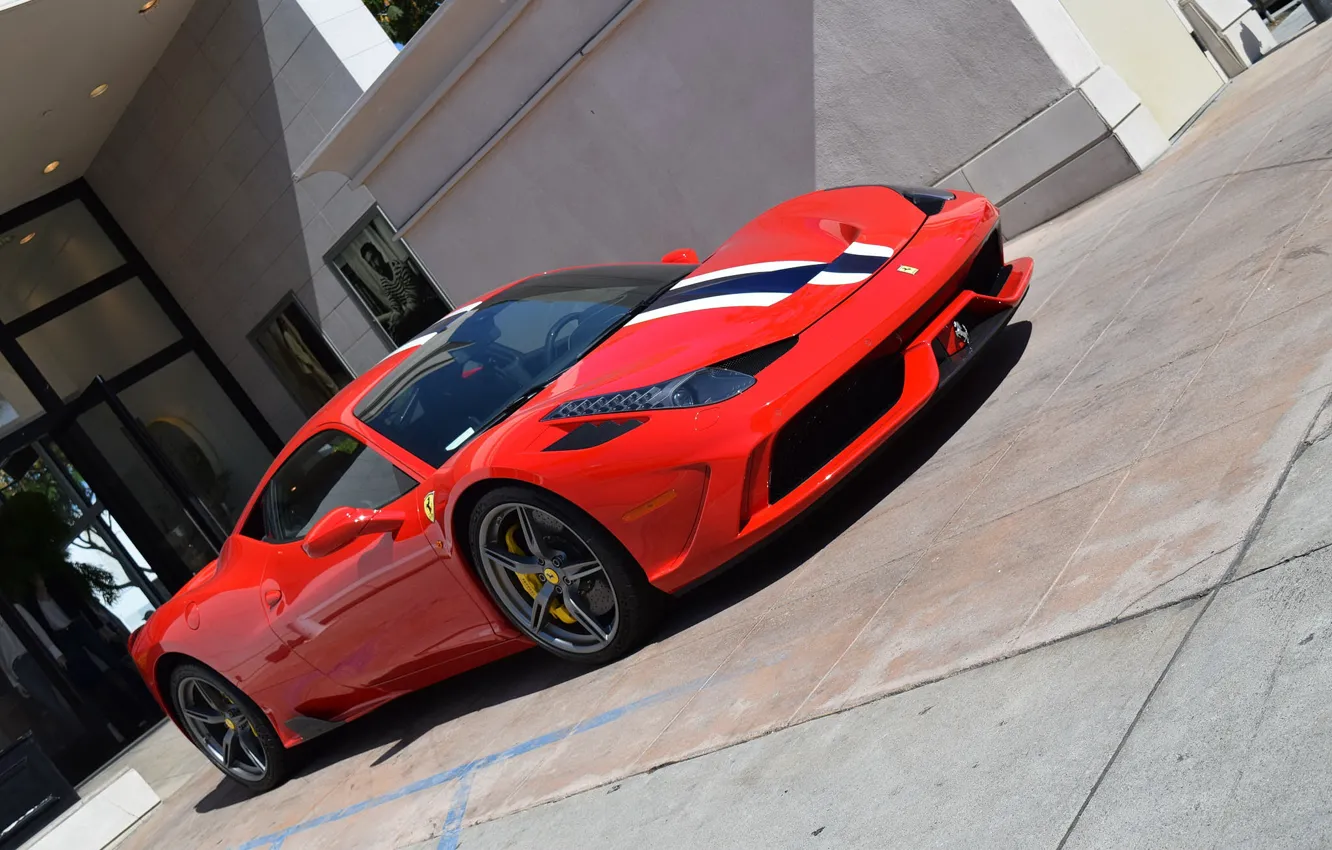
x=532 y=582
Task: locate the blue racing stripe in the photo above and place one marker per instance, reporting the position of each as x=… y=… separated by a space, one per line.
x=786 y=281
x=856 y=264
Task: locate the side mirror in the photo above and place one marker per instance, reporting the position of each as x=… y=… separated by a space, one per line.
x=343 y=525
x=681 y=255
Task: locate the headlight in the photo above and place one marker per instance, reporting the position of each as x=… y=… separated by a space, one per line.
x=706 y=386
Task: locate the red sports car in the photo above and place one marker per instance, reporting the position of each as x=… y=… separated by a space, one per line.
x=545 y=465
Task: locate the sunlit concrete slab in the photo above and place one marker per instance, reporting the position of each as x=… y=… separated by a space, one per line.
x=1000 y=757
x=1234 y=749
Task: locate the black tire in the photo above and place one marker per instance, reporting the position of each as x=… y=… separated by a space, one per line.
x=639 y=605
x=277 y=760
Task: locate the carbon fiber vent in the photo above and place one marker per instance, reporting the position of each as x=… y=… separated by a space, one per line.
x=928 y=201
x=752 y=362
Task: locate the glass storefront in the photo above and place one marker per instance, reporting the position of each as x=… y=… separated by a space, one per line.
x=126 y=455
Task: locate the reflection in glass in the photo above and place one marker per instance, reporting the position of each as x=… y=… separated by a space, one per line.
x=386 y=278
x=64 y=249
x=202 y=434
x=69 y=595
x=18 y=407
x=77 y=346
x=157 y=501
x=299 y=355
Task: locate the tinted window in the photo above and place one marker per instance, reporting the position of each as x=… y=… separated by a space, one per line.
x=330 y=470
x=480 y=364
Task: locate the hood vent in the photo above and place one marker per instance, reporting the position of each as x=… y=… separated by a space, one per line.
x=928 y=201
x=752 y=362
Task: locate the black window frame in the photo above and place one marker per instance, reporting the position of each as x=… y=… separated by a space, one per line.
x=262 y=512
x=58 y=416
x=330 y=262
x=292 y=301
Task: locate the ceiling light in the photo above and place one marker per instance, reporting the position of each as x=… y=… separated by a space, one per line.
x=26 y=239
x=51 y=166
x=147 y=6
x=99 y=91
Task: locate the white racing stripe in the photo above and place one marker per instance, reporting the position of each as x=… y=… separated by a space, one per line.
x=837 y=278
x=412 y=343
x=752 y=268
x=738 y=299
x=869 y=249
x=421 y=340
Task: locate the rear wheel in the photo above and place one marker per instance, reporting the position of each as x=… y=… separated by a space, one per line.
x=228 y=728
x=560 y=577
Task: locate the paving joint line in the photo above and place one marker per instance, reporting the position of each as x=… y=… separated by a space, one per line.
x=1255 y=528
x=1137 y=717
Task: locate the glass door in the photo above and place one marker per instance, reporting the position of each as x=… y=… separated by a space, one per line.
x=72 y=587
x=127 y=452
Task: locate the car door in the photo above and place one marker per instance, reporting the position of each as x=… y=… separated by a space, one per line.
x=383 y=606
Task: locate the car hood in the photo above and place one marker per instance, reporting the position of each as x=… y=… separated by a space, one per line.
x=770 y=281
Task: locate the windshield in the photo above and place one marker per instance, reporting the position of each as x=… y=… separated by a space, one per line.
x=482 y=363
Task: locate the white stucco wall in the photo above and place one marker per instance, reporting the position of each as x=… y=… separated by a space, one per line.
x=691 y=118
x=911 y=93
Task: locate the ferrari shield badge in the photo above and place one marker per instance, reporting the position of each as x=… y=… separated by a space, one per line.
x=429 y=506
x=907 y=269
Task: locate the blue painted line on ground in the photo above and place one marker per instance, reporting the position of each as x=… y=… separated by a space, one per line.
x=464 y=772
x=448 y=839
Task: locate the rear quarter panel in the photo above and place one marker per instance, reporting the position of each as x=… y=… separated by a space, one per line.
x=218 y=620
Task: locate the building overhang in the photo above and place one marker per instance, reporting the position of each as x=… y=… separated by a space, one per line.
x=455 y=37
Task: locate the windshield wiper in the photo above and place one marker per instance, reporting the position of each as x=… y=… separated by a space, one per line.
x=512 y=407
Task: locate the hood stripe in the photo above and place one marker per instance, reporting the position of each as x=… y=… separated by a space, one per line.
x=764 y=284
x=736 y=299
x=869 y=249
x=827 y=278
x=752 y=268
x=785 y=281
x=857 y=263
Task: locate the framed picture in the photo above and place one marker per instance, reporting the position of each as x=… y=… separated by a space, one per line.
x=397 y=295
x=296 y=351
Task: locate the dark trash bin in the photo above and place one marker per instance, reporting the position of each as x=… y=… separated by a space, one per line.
x=1319 y=10
x=32 y=792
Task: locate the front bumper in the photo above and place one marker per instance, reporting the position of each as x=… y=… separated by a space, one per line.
x=714 y=467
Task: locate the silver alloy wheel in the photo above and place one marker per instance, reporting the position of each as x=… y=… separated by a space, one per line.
x=220 y=727
x=569 y=575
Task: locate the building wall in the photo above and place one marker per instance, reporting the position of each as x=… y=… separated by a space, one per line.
x=909 y=92
x=691 y=117
x=568 y=141
x=1149 y=44
x=199 y=173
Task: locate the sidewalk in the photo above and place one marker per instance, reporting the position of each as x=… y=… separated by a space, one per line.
x=1074 y=608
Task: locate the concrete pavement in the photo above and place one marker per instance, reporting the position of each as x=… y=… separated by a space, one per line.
x=1065 y=545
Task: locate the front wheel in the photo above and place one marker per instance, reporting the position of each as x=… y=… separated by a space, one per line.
x=560 y=577
x=228 y=728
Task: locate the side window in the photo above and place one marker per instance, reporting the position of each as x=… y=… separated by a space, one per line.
x=330 y=470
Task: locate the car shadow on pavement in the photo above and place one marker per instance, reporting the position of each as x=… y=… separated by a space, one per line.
x=859 y=492
x=405 y=720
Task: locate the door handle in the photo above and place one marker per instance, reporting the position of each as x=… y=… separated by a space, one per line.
x=272 y=597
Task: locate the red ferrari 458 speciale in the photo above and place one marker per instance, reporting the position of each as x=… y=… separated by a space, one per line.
x=544 y=465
